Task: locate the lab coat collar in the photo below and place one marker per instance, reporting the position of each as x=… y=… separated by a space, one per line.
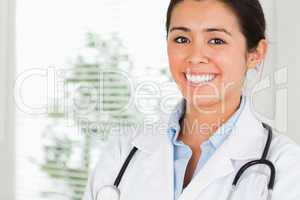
x=248 y=137
x=246 y=141
x=152 y=135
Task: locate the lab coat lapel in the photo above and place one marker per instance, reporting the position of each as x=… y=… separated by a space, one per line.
x=156 y=178
x=218 y=166
x=245 y=142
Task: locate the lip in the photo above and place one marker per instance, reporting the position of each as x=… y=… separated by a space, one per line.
x=200 y=73
x=201 y=70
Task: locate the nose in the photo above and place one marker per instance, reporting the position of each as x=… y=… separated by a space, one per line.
x=197 y=55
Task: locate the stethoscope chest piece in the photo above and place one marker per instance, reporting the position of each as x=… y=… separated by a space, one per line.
x=108 y=192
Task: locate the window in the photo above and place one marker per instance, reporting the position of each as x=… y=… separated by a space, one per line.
x=64 y=106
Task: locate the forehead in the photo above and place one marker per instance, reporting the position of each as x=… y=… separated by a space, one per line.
x=203 y=14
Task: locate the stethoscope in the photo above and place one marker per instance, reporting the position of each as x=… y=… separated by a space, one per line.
x=112 y=192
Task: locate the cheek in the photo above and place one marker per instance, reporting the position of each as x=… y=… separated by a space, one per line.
x=176 y=61
x=232 y=64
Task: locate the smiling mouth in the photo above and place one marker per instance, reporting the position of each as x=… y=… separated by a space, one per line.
x=198 y=79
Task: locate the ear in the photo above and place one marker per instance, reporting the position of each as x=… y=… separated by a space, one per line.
x=256 y=56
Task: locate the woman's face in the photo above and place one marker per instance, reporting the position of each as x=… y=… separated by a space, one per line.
x=207 y=52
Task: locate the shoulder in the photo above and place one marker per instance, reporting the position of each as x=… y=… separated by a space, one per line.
x=116 y=148
x=112 y=153
x=285 y=154
x=283 y=149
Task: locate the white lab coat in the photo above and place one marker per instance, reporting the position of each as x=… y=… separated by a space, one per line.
x=149 y=175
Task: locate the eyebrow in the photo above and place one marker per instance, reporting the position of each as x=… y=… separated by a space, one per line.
x=185 y=29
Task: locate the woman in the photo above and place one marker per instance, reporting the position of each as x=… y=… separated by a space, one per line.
x=197 y=151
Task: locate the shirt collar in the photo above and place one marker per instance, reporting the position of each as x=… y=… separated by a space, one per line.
x=224 y=131
x=217 y=138
x=173 y=125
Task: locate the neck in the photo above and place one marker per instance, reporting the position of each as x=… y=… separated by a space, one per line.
x=199 y=124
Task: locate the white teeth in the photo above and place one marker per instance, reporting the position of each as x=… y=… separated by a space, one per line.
x=200 y=78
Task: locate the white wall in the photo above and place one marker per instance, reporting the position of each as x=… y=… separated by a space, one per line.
x=288 y=29
x=7 y=157
x=277 y=97
x=263 y=94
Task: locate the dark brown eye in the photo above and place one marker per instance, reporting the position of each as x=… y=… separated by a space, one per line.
x=181 y=40
x=217 y=41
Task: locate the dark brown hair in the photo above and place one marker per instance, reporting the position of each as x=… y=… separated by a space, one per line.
x=250 y=16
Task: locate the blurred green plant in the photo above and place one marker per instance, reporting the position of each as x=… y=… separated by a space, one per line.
x=69 y=152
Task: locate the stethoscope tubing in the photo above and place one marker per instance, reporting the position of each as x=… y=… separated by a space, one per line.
x=263 y=160
x=125 y=165
x=256 y=162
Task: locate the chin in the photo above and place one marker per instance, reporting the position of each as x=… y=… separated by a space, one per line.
x=203 y=103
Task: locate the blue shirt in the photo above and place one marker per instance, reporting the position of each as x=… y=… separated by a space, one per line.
x=182 y=152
